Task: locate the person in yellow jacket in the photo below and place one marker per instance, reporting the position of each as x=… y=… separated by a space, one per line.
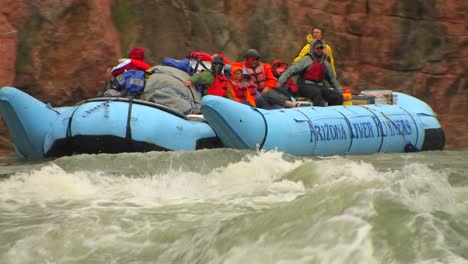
x=317 y=33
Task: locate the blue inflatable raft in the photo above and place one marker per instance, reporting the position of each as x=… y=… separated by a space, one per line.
x=409 y=125
x=99 y=125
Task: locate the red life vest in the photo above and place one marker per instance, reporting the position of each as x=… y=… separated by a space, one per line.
x=219 y=86
x=292 y=85
x=241 y=88
x=258 y=75
x=315 y=72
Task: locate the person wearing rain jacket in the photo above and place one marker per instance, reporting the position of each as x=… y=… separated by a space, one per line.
x=128 y=77
x=314 y=69
x=317 y=33
x=213 y=81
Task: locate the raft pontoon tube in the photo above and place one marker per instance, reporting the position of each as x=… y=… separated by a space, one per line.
x=99 y=125
x=411 y=125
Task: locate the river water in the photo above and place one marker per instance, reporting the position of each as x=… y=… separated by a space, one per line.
x=231 y=206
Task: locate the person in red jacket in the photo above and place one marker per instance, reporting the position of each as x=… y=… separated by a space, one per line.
x=135 y=61
x=211 y=82
x=278 y=67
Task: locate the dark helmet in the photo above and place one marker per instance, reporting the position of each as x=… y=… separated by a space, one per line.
x=252 y=53
x=217 y=60
x=316 y=42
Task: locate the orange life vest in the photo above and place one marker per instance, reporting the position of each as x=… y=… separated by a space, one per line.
x=219 y=86
x=258 y=75
x=242 y=88
x=315 y=72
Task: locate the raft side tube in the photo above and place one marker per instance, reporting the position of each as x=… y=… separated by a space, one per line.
x=434 y=139
x=434 y=136
x=396 y=127
x=107 y=123
x=28 y=121
x=237 y=125
x=307 y=131
x=413 y=104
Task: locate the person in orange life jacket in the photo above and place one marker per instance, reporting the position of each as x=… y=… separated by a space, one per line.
x=244 y=89
x=314 y=69
x=260 y=72
x=212 y=82
x=262 y=75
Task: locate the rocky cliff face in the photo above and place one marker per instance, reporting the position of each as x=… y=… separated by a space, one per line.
x=58 y=51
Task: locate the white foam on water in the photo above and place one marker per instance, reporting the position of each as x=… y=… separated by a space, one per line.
x=338 y=169
x=341 y=239
x=423 y=189
x=47 y=184
x=99 y=213
x=257 y=176
x=415 y=184
x=125 y=216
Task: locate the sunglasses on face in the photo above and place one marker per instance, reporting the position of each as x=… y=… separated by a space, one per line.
x=216 y=63
x=321 y=48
